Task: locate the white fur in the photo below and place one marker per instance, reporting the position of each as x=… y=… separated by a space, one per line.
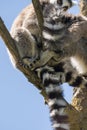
x=74 y=2
x=78 y=64
x=65 y=3
x=45 y=76
x=60 y=112
x=59 y=102
x=52 y=1
x=54 y=27
x=48 y=36
x=84 y=17
x=63 y=125
x=53 y=88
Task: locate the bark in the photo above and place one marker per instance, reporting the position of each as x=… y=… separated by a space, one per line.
x=79 y=102
x=78 y=119
x=39 y=14
x=83 y=7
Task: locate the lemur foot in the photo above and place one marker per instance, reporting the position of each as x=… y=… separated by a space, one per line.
x=60 y=77
x=34 y=64
x=21 y=63
x=28 y=62
x=44 y=58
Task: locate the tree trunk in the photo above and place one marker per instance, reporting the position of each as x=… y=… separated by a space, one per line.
x=78 y=118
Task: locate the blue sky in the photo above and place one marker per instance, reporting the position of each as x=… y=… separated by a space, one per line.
x=21 y=105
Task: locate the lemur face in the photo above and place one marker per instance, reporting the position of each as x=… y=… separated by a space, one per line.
x=65 y=4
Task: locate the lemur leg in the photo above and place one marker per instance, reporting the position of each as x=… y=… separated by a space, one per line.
x=26 y=45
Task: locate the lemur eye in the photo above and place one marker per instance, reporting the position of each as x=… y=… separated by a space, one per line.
x=65 y=8
x=59 y=2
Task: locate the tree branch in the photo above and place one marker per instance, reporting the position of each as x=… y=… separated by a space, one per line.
x=39 y=14
x=79 y=120
x=79 y=102
x=83 y=7
x=10 y=44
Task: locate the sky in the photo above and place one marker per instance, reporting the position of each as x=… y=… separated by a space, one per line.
x=21 y=105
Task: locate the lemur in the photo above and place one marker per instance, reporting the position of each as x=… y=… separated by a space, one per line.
x=26 y=26
x=55 y=33
x=55 y=20
x=27 y=39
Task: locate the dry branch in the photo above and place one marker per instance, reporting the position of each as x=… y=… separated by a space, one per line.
x=10 y=44
x=39 y=14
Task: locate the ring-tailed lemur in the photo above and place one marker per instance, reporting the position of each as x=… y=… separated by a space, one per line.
x=54 y=36
x=55 y=32
x=27 y=39
x=25 y=29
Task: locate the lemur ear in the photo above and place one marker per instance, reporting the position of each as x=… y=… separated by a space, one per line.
x=74 y=2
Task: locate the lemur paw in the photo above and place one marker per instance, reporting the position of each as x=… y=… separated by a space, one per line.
x=21 y=63
x=27 y=62
x=33 y=64
x=61 y=77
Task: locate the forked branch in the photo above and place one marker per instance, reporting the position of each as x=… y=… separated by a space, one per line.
x=10 y=44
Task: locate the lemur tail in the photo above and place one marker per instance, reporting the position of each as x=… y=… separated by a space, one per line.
x=52 y=78
x=56 y=103
x=70 y=75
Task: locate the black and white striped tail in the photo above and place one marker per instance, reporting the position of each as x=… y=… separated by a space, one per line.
x=56 y=102
x=70 y=75
x=52 y=78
